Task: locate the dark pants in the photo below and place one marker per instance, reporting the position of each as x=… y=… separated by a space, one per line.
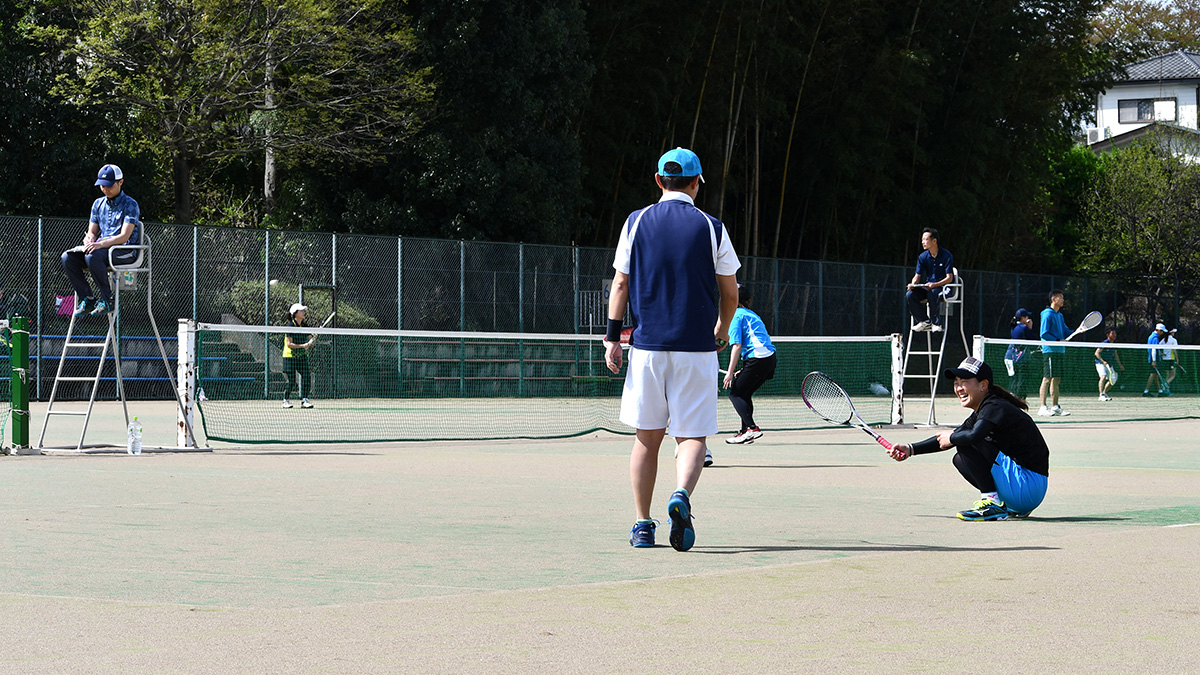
x=975 y=462
x=925 y=311
x=296 y=368
x=97 y=261
x=753 y=374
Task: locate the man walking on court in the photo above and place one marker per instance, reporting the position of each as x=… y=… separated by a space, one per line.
x=935 y=269
x=671 y=260
x=114 y=222
x=1053 y=329
x=1160 y=374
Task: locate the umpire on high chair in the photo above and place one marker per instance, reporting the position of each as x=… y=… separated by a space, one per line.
x=114 y=221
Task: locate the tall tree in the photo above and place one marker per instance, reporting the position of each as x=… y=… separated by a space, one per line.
x=42 y=140
x=208 y=80
x=1138 y=29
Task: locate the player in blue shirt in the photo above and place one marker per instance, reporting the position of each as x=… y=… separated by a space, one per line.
x=671 y=261
x=113 y=222
x=1157 y=362
x=935 y=269
x=1054 y=329
x=748 y=340
x=1017 y=358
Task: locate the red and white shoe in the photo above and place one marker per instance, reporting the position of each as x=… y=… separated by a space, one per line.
x=745 y=436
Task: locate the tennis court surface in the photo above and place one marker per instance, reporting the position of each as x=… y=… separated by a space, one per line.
x=815 y=553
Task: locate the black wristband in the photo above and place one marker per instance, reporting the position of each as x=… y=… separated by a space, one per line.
x=615 y=326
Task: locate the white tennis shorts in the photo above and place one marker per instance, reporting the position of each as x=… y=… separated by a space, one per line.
x=672 y=390
x=1106 y=371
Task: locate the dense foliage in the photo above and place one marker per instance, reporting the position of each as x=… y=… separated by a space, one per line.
x=831 y=130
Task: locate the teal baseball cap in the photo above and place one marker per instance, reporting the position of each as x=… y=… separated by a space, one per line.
x=687 y=160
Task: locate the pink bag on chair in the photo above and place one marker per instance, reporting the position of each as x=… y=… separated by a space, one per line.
x=64 y=305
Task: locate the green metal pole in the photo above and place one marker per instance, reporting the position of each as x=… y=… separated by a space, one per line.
x=20 y=382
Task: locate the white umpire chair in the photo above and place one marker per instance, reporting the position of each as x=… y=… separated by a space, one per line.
x=952 y=300
x=141 y=264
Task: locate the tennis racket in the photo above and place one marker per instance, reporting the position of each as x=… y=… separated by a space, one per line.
x=1162 y=381
x=1089 y=322
x=330 y=340
x=831 y=403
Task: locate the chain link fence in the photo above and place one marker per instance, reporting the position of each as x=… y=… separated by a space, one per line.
x=224 y=275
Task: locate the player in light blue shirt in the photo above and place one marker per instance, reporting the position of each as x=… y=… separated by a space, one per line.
x=1053 y=329
x=749 y=341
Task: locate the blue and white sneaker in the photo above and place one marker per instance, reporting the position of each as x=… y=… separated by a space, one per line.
x=102 y=307
x=679 y=510
x=986 y=509
x=84 y=306
x=642 y=534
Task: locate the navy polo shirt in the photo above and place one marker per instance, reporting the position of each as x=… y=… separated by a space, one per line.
x=933 y=269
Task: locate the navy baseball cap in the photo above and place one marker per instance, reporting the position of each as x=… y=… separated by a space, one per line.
x=109 y=174
x=971 y=367
x=1022 y=313
x=687 y=160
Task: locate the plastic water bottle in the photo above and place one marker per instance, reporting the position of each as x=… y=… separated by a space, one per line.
x=134 y=447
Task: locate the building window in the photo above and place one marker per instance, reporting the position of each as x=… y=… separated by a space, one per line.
x=1140 y=111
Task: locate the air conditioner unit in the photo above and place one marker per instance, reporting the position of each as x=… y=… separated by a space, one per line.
x=1094 y=136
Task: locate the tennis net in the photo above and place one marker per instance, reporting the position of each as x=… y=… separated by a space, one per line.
x=1167 y=388
x=379 y=385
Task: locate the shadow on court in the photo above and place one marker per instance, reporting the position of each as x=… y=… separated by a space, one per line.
x=867 y=548
x=788 y=466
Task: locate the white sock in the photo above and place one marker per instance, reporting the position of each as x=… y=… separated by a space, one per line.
x=994 y=496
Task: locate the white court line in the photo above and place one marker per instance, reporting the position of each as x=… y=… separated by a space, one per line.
x=1183 y=525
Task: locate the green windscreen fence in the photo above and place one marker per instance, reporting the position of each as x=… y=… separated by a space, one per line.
x=1167 y=387
x=5 y=384
x=376 y=385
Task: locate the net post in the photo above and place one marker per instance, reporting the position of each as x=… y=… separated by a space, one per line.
x=19 y=364
x=897 y=343
x=185 y=378
x=977 y=350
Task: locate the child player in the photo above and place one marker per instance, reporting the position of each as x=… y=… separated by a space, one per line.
x=1000 y=450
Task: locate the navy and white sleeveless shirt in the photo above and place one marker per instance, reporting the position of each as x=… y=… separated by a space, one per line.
x=673 y=252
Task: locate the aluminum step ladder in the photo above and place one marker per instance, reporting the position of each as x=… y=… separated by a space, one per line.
x=140 y=265
x=68 y=345
x=952 y=298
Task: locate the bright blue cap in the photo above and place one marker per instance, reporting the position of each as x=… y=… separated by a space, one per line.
x=109 y=174
x=686 y=159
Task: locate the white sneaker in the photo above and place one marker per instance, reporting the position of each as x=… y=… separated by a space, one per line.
x=1105 y=397
x=305 y=404
x=921 y=327
x=1057 y=410
x=1044 y=412
x=746 y=436
x=937 y=327
x=287 y=403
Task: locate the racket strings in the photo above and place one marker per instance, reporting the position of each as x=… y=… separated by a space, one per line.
x=827 y=398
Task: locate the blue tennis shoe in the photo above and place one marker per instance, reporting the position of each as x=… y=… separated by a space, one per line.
x=642 y=535
x=679 y=510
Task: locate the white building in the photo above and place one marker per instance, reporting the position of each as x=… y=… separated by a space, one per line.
x=1159 y=93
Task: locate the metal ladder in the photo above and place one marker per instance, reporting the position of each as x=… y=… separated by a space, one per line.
x=68 y=345
x=951 y=304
